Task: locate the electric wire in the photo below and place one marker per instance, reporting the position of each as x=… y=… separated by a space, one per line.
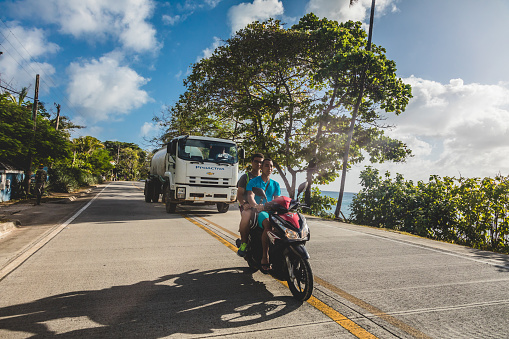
x=58 y=96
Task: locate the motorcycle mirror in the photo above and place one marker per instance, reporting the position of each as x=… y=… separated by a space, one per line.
x=302 y=187
x=259 y=192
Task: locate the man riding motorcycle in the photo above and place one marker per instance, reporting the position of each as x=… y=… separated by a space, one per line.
x=272 y=190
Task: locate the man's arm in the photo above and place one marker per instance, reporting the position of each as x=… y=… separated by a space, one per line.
x=241 y=185
x=251 y=199
x=240 y=196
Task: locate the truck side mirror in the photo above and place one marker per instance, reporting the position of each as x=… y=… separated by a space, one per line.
x=171 y=148
x=242 y=154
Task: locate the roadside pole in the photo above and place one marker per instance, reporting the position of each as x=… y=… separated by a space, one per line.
x=32 y=143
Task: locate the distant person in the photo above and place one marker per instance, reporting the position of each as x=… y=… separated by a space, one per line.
x=223 y=155
x=245 y=208
x=40 y=180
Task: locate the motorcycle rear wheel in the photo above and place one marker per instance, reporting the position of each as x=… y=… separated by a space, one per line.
x=300 y=278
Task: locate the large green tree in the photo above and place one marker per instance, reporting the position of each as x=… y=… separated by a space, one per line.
x=289 y=92
x=18 y=140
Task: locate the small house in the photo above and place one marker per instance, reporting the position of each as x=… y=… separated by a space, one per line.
x=9 y=174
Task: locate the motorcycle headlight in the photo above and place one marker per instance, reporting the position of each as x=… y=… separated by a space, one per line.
x=291 y=234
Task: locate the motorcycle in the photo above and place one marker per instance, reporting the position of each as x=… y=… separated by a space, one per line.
x=287 y=239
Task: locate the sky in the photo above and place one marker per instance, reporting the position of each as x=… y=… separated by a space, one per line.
x=114 y=64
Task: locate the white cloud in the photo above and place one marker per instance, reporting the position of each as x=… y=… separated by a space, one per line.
x=121 y=20
x=104 y=88
x=171 y=20
x=212 y=3
x=207 y=52
x=148 y=129
x=22 y=47
x=455 y=128
x=341 y=10
x=245 y=13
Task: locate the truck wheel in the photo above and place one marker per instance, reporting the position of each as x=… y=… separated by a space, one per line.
x=155 y=195
x=222 y=207
x=170 y=207
x=163 y=195
x=147 y=192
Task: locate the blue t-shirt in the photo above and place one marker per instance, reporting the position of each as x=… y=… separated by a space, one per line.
x=272 y=191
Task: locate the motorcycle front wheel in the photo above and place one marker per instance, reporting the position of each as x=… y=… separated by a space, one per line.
x=300 y=277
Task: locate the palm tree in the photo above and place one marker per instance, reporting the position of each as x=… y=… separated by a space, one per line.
x=21 y=97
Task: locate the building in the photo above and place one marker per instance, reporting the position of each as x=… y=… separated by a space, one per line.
x=9 y=174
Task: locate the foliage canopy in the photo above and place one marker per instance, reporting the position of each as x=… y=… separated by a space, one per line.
x=288 y=93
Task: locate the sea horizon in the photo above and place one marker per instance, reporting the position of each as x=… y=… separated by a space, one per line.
x=345 y=206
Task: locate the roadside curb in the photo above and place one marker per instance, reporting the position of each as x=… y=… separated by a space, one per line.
x=7 y=224
x=6 y=227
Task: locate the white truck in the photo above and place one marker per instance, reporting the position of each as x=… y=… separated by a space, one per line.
x=194 y=169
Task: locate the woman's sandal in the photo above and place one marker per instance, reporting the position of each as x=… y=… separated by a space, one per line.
x=265 y=268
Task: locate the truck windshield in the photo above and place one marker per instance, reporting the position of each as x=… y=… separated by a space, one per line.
x=207 y=150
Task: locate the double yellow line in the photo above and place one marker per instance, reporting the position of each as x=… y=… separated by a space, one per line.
x=339 y=318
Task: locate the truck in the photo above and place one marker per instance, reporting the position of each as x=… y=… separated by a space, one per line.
x=193 y=169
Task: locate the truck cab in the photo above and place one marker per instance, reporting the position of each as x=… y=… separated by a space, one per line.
x=194 y=169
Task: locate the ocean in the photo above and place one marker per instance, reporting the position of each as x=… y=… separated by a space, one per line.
x=345 y=206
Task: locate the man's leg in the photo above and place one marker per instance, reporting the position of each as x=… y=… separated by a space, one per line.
x=244 y=231
x=265 y=223
x=38 y=192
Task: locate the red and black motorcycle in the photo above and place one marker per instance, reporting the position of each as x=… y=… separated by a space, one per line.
x=287 y=239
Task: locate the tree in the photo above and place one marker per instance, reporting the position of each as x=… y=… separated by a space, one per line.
x=16 y=128
x=90 y=154
x=289 y=92
x=24 y=146
x=129 y=159
x=21 y=97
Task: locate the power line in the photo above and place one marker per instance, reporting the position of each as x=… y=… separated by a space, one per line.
x=14 y=91
x=60 y=95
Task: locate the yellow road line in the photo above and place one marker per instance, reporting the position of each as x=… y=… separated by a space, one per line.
x=213 y=234
x=372 y=309
x=337 y=317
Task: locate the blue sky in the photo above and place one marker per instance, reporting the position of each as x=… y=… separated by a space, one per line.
x=113 y=64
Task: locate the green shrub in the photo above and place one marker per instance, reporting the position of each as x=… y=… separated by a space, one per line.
x=473 y=212
x=319 y=204
x=69 y=179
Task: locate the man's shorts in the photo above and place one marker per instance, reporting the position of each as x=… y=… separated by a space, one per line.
x=261 y=217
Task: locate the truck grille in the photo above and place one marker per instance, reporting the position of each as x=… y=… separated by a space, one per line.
x=209 y=181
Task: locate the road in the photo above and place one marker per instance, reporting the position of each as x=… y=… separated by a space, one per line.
x=120 y=267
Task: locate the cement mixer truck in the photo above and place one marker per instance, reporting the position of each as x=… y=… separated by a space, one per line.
x=194 y=169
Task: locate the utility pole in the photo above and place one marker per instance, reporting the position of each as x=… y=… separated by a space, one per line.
x=354 y=115
x=36 y=101
x=58 y=115
x=32 y=144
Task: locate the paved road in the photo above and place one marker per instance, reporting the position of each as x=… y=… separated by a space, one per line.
x=125 y=268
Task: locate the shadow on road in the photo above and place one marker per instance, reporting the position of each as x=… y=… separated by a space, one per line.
x=192 y=303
